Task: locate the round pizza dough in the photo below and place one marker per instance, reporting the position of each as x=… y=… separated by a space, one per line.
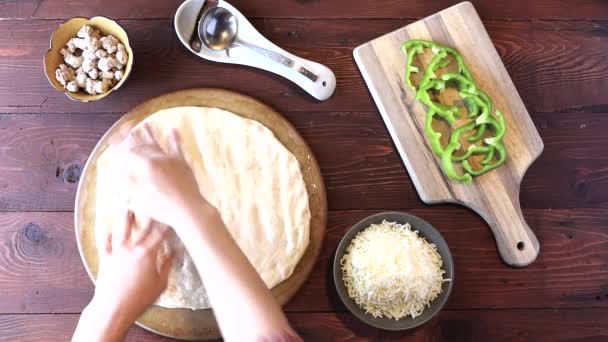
x=246 y=173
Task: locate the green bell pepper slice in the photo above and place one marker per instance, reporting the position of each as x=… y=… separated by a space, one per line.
x=409 y=68
x=434 y=64
x=434 y=136
x=495 y=142
x=435 y=47
x=477 y=103
x=448 y=113
x=446 y=158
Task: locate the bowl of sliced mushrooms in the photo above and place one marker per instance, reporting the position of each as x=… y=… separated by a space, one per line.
x=88 y=58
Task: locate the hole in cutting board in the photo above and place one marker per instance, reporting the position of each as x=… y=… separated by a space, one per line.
x=520 y=245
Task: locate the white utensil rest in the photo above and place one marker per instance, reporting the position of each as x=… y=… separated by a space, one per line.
x=186 y=24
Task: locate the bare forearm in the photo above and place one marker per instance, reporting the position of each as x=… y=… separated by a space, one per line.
x=97 y=324
x=229 y=278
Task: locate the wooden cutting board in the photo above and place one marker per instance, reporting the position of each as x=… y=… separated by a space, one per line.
x=494 y=195
x=200 y=324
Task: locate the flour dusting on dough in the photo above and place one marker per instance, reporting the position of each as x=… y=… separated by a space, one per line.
x=247 y=174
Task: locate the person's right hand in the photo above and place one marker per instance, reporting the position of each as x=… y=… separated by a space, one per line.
x=164 y=183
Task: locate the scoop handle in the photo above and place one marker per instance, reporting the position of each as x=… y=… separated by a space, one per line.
x=316 y=79
x=321 y=86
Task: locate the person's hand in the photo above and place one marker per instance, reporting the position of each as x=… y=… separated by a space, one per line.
x=163 y=182
x=129 y=280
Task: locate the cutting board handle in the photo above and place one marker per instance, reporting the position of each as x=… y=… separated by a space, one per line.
x=494 y=195
x=517 y=244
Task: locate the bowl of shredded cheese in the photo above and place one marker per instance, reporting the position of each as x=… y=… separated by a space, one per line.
x=393 y=271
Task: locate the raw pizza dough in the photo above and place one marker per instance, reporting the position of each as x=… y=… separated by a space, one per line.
x=246 y=173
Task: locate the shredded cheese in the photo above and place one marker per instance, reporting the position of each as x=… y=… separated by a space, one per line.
x=390 y=271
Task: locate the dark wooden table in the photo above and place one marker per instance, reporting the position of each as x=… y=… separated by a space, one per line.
x=556 y=52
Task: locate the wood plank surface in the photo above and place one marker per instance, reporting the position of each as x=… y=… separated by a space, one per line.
x=134 y=9
x=554 y=50
x=42 y=158
x=41 y=270
x=42 y=155
x=542 y=58
x=450 y=325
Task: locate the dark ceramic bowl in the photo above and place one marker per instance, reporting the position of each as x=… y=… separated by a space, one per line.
x=432 y=236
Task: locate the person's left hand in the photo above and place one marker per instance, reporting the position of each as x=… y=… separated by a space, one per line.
x=129 y=280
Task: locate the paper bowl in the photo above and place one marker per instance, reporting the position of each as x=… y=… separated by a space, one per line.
x=426 y=231
x=68 y=30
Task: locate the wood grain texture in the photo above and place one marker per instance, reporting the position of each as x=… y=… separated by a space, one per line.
x=42 y=158
x=41 y=271
x=464 y=325
x=40 y=268
x=494 y=195
x=450 y=325
x=42 y=155
x=557 y=65
x=542 y=58
x=516 y=9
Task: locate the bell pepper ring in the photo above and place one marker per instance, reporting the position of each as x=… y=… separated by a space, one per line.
x=435 y=47
x=446 y=158
x=502 y=151
x=434 y=64
x=410 y=59
x=434 y=137
x=449 y=113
